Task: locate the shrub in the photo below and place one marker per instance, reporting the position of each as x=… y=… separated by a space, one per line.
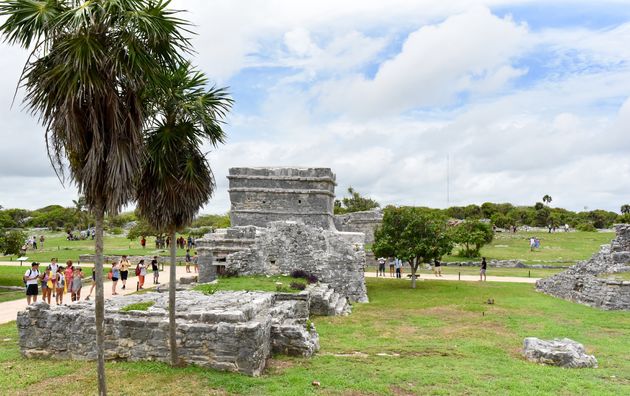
x=312 y=279
x=116 y=231
x=299 y=274
x=298 y=286
x=588 y=227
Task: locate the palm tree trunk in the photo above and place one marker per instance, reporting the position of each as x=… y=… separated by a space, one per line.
x=172 y=329
x=99 y=311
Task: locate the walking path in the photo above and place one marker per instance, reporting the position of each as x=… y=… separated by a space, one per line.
x=9 y=309
x=465 y=278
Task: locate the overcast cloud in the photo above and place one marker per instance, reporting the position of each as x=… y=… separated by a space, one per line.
x=524 y=99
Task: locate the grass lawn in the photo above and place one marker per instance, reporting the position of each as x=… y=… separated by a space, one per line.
x=57 y=246
x=255 y=283
x=561 y=248
x=517 y=272
x=437 y=339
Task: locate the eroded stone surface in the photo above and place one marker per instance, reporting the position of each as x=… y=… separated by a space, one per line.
x=586 y=282
x=559 y=352
x=231 y=331
x=365 y=222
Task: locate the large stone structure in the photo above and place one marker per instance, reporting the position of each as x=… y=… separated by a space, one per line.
x=262 y=195
x=593 y=282
x=231 y=331
x=365 y=222
x=282 y=220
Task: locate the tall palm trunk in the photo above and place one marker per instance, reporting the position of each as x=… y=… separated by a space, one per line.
x=100 y=299
x=172 y=329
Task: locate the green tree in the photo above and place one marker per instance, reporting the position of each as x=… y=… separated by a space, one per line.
x=354 y=203
x=143 y=228
x=86 y=79
x=502 y=221
x=176 y=179
x=416 y=235
x=625 y=209
x=213 y=221
x=472 y=235
x=11 y=242
x=547 y=199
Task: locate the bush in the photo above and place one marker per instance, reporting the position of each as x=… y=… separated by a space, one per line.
x=297 y=285
x=312 y=279
x=299 y=274
x=587 y=227
x=116 y=231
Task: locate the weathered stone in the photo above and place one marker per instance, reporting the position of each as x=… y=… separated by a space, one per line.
x=586 y=282
x=563 y=353
x=365 y=222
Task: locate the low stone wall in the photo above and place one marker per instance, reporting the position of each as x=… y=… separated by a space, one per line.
x=501 y=264
x=230 y=331
x=90 y=258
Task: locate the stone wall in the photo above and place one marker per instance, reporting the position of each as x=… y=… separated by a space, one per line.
x=229 y=331
x=259 y=196
x=587 y=282
x=336 y=258
x=365 y=222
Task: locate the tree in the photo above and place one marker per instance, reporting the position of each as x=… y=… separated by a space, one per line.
x=11 y=242
x=625 y=209
x=472 y=235
x=176 y=179
x=143 y=228
x=355 y=203
x=547 y=199
x=86 y=80
x=416 y=235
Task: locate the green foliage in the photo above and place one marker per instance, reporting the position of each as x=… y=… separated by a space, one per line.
x=116 y=231
x=198 y=232
x=416 y=235
x=120 y=220
x=625 y=209
x=141 y=306
x=354 y=203
x=212 y=220
x=472 y=235
x=599 y=218
x=502 y=221
x=142 y=228
x=6 y=221
x=586 y=227
x=11 y=242
x=539 y=205
x=547 y=199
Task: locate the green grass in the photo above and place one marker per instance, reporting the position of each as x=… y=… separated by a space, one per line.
x=252 y=283
x=141 y=306
x=561 y=248
x=624 y=276
x=438 y=339
x=57 y=246
x=454 y=270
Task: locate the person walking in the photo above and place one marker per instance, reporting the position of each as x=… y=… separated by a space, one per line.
x=77 y=284
x=93 y=285
x=381 y=267
x=54 y=267
x=156 y=270
x=188 y=260
x=47 y=286
x=143 y=242
x=437 y=268
x=141 y=271
x=69 y=272
x=398 y=267
x=30 y=281
x=115 y=276
x=41 y=241
x=195 y=261
x=124 y=271
x=482 y=271
x=392 y=268
x=60 y=285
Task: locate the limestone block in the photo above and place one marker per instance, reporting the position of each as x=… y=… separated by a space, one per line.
x=558 y=352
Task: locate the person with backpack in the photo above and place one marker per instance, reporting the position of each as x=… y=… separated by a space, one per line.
x=60 y=285
x=141 y=273
x=30 y=281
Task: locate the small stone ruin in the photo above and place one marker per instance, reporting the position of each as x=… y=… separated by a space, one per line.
x=596 y=282
x=562 y=353
x=282 y=220
x=229 y=331
x=365 y=222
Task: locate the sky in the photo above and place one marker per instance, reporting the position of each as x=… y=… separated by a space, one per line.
x=507 y=100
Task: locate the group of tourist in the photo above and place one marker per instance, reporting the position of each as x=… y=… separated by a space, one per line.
x=55 y=281
x=31 y=243
x=396 y=265
x=119 y=272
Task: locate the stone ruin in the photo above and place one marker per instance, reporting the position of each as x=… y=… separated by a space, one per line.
x=229 y=331
x=282 y=220
x=365 y=222
x=593 y=282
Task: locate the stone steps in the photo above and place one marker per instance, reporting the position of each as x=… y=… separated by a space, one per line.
x=325 y=301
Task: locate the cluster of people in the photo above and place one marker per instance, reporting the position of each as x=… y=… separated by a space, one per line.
x=534 y=243
x=55 y=282
x=31 y=243
x=395 y=267
x=162 y=243
x=119 y=272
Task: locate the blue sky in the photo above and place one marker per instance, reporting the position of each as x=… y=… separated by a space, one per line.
x=526 y=98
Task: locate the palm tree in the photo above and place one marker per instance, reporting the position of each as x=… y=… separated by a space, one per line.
x=625 y=209
x=90 y=65
x=547 y=199
x=176 y=179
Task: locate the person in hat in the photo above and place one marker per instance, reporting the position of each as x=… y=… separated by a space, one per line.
x=30 y=281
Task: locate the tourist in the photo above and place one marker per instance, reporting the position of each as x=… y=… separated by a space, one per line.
x=156 y=270
x=398 y=267
x=47 y=286
x=566 y=227
x=190 y=242
x=437 y=268
x=195 y=261
x=30 y=281
x=392 y=269
x=77 y=284
x=54 y=267
x=188 y=260
x=41 y=241
x=124 y=271
x=68 y=273
x=381 y=267
x=482 y=272
x=115 y=273
x=93 y=285
x=143 y=242
x=141 y=271
x=532 y=244
x=60 y=285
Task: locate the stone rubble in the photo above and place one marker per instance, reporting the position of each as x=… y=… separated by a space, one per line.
x=587 y=283
x=558 y=352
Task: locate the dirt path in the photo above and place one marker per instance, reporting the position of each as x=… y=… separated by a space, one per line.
x=465 y=278
x=9 y=309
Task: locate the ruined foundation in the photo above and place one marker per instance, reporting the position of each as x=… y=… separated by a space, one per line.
x=593 y=282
